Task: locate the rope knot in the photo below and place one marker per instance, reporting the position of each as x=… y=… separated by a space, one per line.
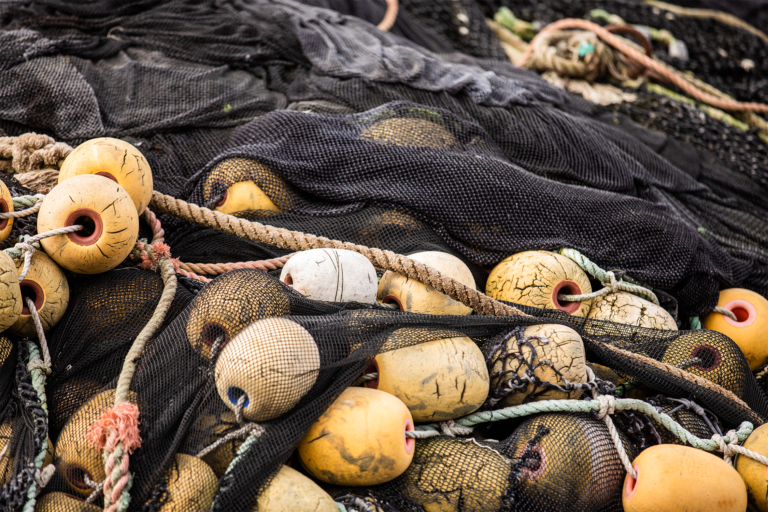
x=149 y=255
x=119 y=424
x=449 y=428
x=607 y=405
x=727 y=448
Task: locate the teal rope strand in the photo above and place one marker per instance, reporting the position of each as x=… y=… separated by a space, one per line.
x=38 y=382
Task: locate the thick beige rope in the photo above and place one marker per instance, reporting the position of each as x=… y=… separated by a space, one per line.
x=390 y=16
x=30 y=151
x=296 y=241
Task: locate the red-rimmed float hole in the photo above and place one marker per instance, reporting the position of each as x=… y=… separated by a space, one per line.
x=223 y=199
x=288 y=280
x=709 y=357
x=535 y=462
x=107 y=175
x=76 y=476
x=372 y=368
x=410 y=443
x=566 y=288
x=211 y=332
x=4 y=209
x=391 y=299
x=742 y=315
x=92 y=224
x=631 y=483
x=32 y=290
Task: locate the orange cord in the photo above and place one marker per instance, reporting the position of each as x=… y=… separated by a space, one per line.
x=389 y=17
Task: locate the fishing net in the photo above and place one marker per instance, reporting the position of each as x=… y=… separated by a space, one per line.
x=425 y=138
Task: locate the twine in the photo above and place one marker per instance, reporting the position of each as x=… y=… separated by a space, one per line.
x=32 y=202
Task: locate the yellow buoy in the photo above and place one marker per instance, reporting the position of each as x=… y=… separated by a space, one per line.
x=549 y=352
x=755 y=474
x=210 y=428
x=680 y=478
x=247 y=185
x=454 y=475
x=231 y=302
x=11 y=302
x=6 y=206
x=359 y=440
x=413 y=132
x=67 y=397
x=438 y=380
x=76 y=457
x=415 y=297
x=6 y=460
x=537 y=278
x=61 y=502
x=749 y=330
x=291 y=491
x=116 y=160
x=245 y=195
x=625 y=308
x=272 y=363
x=570 y=463
x=711 y=356
x=107 y=214
x=191 y=485
x=46 y=285
x=6 y=346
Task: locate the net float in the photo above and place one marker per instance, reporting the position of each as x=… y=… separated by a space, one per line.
x=332 y=275
x=11 y=302
x=709 y=355
x=413 y=132
x=6 y=206
x=60 y=502
x=291 y=491
x=66 y=398
x=455 y=475
x=191 y=485
x=629 y=309
x=549 y=353
x=46 y=285
x=273 y=363
x=76 y=457
x=209 y=429
x=416 y=297
x=571 y=463
x=228 y=304
x=107 y=214
x=6 y=347
x=437 y=380
x=359 y=440
x=755 y=474
x=247 y=185
x=676 y=478
x=537 y=279
x=6 y=460
x=749 y=330
x=116 y=160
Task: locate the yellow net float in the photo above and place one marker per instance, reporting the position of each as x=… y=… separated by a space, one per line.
x=749 y=330
x=557 y=353
x=413 y=132
x=75 y=456
x=247 y=185
x=454 y=475
x=6 y=206
x=60 y=502
x=680 y=479
x=107 y=214
x=360 y=440
x=291 y=491
x=11 y=302
x=629 y=309
x=271 y=365
x=755 y=474
x=210 y=428
x=437 y=380
x=416 y=297
x=6 y=460
x=227 y=305
x=537 y=278
x=46 y=285
x=116 y=160
x=191 y=485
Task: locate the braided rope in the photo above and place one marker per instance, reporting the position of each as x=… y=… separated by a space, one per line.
x=220 y=268
x=653 y=65
x=726 y=312
x=27 y=246
x=31 y=151
x=42 y=476
x=390 y=16
x=296 y=241
x=33 y=206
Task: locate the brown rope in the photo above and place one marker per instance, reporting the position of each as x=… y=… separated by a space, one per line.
x=215 y=269
x=296 y=241
x=30 y=152
x=653 y=65
x=390 y=16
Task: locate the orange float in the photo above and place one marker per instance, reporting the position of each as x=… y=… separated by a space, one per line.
x=755 y=474
x=6 y=205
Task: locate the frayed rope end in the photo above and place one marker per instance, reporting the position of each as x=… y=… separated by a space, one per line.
x=122 y=420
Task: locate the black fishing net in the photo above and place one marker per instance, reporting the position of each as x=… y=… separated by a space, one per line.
x=395 y=141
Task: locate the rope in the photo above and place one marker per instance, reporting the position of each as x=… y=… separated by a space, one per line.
x=43 y=365
x=25 y=247
x=296 y=241
x=34 y=207
x=220 y=268
x=726 y=312
x=31 y=151
x=653 y=65
x=390 y=16
x=245 y=430
x=366 y=378
x=606 y=278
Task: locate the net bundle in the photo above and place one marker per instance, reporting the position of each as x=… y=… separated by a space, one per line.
x=197 y=374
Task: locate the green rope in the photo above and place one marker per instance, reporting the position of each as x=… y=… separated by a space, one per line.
x=244 y=448
x=606 y=278
x=587 y=406
x=26 y=201
x=38 y=382
x=695 y=323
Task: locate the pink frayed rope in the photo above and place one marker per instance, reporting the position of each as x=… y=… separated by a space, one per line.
x=119 y=424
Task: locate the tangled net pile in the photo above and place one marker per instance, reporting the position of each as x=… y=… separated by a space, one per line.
x=277 y=129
